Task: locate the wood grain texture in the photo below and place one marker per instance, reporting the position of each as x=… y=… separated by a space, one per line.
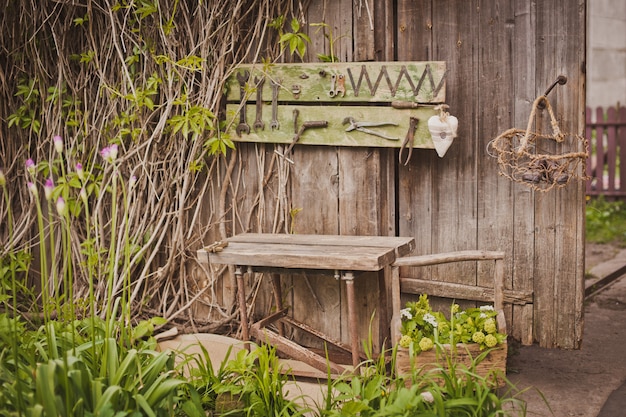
x=495 y=205
x=291 y=256
x=499 y=56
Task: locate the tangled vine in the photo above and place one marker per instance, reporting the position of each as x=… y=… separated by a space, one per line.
x=148 y=77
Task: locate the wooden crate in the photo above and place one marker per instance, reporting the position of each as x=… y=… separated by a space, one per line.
x=494 y=363
x=492 y=367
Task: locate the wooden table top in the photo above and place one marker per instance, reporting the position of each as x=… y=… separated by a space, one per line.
x=331 y=252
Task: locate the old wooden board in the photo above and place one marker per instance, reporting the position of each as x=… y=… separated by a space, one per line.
x=395 y=125
x=373 y=82
x=269 y=103
x=402 y=245
x=331 y=257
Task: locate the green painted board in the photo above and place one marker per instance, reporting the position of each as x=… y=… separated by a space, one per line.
x=335 y=134
x=373 y=82
x=369 y=92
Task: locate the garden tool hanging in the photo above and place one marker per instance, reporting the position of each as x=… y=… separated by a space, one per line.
x=442 y=129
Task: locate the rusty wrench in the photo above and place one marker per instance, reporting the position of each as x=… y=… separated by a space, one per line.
x=259 y=123
x=243 y=125
x=408 y=141
x=275 y=89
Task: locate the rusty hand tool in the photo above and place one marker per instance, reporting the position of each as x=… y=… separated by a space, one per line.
x=341 y=85
x=296 y=113
x=259 y=123
x=408 y=141
x=312 y=124
x=275 y=89
x=363 y=127
x=405 y=105
x=333 y=86
x=243 y=125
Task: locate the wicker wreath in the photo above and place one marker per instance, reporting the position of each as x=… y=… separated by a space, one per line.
x=524 y=156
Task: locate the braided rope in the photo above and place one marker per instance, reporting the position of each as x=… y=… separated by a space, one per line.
x=521 y=156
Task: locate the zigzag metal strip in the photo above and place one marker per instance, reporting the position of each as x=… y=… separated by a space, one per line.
x=364 y=74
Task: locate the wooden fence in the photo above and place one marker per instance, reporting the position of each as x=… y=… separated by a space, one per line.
x=607 y=147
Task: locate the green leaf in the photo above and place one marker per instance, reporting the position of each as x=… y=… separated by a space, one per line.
x=295 y=25
x=141 y=401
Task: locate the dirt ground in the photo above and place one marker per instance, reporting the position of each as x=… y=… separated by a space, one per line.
x=579 y=382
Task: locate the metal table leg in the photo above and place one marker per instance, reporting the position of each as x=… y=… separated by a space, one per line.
x=348 y=277
x=243 y=308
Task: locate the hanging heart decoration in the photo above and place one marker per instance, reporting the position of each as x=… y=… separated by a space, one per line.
x=443 y=128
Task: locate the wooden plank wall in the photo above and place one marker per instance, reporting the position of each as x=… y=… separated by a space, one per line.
x=501 y=55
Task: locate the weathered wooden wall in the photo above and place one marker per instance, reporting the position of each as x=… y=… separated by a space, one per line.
x=500 y=56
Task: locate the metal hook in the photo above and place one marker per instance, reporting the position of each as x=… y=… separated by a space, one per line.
x=561 y=80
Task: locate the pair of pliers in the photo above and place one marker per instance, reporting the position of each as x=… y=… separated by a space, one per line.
x=408 y=141
x=363 y=127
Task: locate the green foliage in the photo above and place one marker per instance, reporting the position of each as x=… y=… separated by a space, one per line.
x=328 y=34
x=441 y=392
x=296 y=41
x=606 y=221
x=258 y=381
x=84 y=372
x=423 y=328
x=13 y=284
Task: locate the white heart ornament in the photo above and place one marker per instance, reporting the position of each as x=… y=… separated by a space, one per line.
x=442 y=129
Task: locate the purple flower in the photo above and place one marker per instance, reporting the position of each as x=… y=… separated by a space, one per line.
x=79 y=171
x=48 y=187
x=61 y=208
x=109 y=153
x=30 y=166
x=132 y=181
x=58 y=144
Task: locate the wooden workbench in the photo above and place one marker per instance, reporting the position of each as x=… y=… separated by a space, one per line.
x=340 y=256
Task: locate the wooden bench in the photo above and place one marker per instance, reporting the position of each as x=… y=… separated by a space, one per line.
x=342 y=257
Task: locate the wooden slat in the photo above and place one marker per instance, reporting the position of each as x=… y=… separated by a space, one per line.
x=621 y=138
x=462 y=291
x=336 y=134
x=402 y=245
x=494 y=189
x=315 y=173
x=310 y=330
x=524 y=59
x=570 y=280
x=454 y=215
x=295 y=351
x=416 y=185
x=362 y=201
x=441 y=258
x=611 y=151
x=600 y=153
x=373 y=82
x=357 y=258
